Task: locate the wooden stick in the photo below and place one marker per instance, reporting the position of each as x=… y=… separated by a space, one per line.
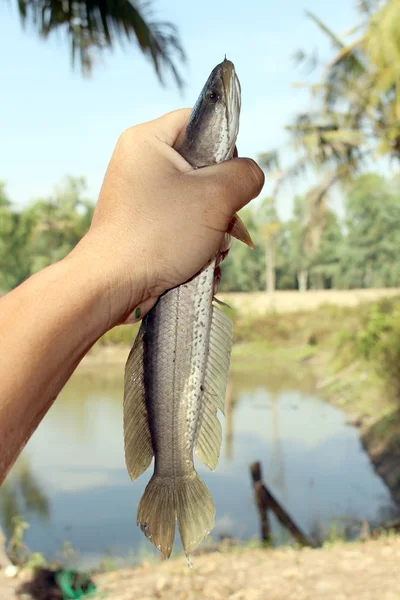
x=265 y=501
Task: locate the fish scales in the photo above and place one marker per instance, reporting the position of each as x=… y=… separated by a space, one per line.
x=174 y=376
x=177 y=370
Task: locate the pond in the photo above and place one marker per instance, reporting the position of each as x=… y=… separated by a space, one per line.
x=71 y=485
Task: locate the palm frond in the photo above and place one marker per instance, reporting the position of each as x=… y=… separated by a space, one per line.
x=93 y=25
x=336 y=41
x=269 y=160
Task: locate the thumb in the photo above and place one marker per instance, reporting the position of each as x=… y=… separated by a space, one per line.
x=238 y=181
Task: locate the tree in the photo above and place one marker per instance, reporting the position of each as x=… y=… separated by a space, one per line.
x=356 y=112
x=268 y=220
x=43 y=232
x=304 y=234
x=369 y=257
x=299 y=258
x=7 y=226
x=57 y=223
x=244 y=269
x=325 y=266
x=94 y=25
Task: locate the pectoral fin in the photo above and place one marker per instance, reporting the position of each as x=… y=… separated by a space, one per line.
x=238 y=230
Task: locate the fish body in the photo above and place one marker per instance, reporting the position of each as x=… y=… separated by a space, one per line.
x=177 y=371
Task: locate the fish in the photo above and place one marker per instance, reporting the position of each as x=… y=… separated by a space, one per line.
x=177 y=371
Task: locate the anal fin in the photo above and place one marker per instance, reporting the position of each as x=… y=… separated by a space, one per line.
x=208 y=441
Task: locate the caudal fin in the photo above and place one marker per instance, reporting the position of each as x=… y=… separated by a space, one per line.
x=188 y=501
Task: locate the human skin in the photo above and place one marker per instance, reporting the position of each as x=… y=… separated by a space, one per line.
x=156 y=224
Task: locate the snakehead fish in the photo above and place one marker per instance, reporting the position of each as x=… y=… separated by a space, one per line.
x=177 y=370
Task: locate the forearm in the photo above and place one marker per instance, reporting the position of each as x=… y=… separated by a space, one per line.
x=157 y=223
x=46 y=326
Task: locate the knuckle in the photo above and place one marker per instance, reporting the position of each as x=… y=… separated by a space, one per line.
x=127 y=134
x=129 y=140
x=257 y=175
x=132 y=134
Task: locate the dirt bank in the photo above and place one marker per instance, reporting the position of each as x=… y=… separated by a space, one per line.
x=357 y=571
x=259 y=303
x=362 y=571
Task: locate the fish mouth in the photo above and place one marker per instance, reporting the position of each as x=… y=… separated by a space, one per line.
x=232 y=91
x=231 y=85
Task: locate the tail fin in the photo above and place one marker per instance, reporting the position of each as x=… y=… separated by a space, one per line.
x=188 y=501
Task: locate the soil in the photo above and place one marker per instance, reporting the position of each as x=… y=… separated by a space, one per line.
x=357 y=571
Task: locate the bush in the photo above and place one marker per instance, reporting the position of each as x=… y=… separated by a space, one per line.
x=379 y=341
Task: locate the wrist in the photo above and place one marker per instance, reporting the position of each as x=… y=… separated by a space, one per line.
x=114 y=291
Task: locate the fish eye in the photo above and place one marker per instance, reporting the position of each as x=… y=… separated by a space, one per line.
x=212 y=96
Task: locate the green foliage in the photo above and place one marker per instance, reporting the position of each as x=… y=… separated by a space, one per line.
x=379 y=342
x=244 y=269
x=44 y=232
x=22 y=494
x=369 y=339
x=68 y=554
x=355 y=110
x=369 y=255
x=58 y=223
x=124 y=334
x=335 y=533
x=359 y=251
x=17 y=550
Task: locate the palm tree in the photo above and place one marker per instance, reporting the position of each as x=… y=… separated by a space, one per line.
x=357 y=114
x=93 y=25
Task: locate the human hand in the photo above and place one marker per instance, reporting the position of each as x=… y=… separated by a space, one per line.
x=158 y=221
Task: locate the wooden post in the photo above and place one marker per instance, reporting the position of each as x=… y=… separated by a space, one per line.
x=265 y=501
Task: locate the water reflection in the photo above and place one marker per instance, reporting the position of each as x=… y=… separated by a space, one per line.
x=312 y=461
x=22 y=493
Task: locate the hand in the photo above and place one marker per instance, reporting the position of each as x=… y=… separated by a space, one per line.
x=158 y=221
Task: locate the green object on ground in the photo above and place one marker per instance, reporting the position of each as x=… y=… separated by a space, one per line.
x=74 y=585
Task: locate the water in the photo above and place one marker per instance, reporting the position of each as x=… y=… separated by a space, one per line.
x=71 y=484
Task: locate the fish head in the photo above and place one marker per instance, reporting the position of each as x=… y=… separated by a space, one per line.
x=211 y=133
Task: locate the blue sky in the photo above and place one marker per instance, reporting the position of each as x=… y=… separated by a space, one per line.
x=53 y=122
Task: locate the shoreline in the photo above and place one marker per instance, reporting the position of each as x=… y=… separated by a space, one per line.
x=299 y=343
x=305 y=346
x=360 y=570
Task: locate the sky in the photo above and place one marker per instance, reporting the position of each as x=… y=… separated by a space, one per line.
x=54 y=123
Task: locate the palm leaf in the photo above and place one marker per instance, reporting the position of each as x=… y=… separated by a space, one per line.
x=336 y=41
x=269 y=160
x=93 y=25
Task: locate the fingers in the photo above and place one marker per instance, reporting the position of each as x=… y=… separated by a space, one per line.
x=140 y=311
x=168 y=127
x=238 y=181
